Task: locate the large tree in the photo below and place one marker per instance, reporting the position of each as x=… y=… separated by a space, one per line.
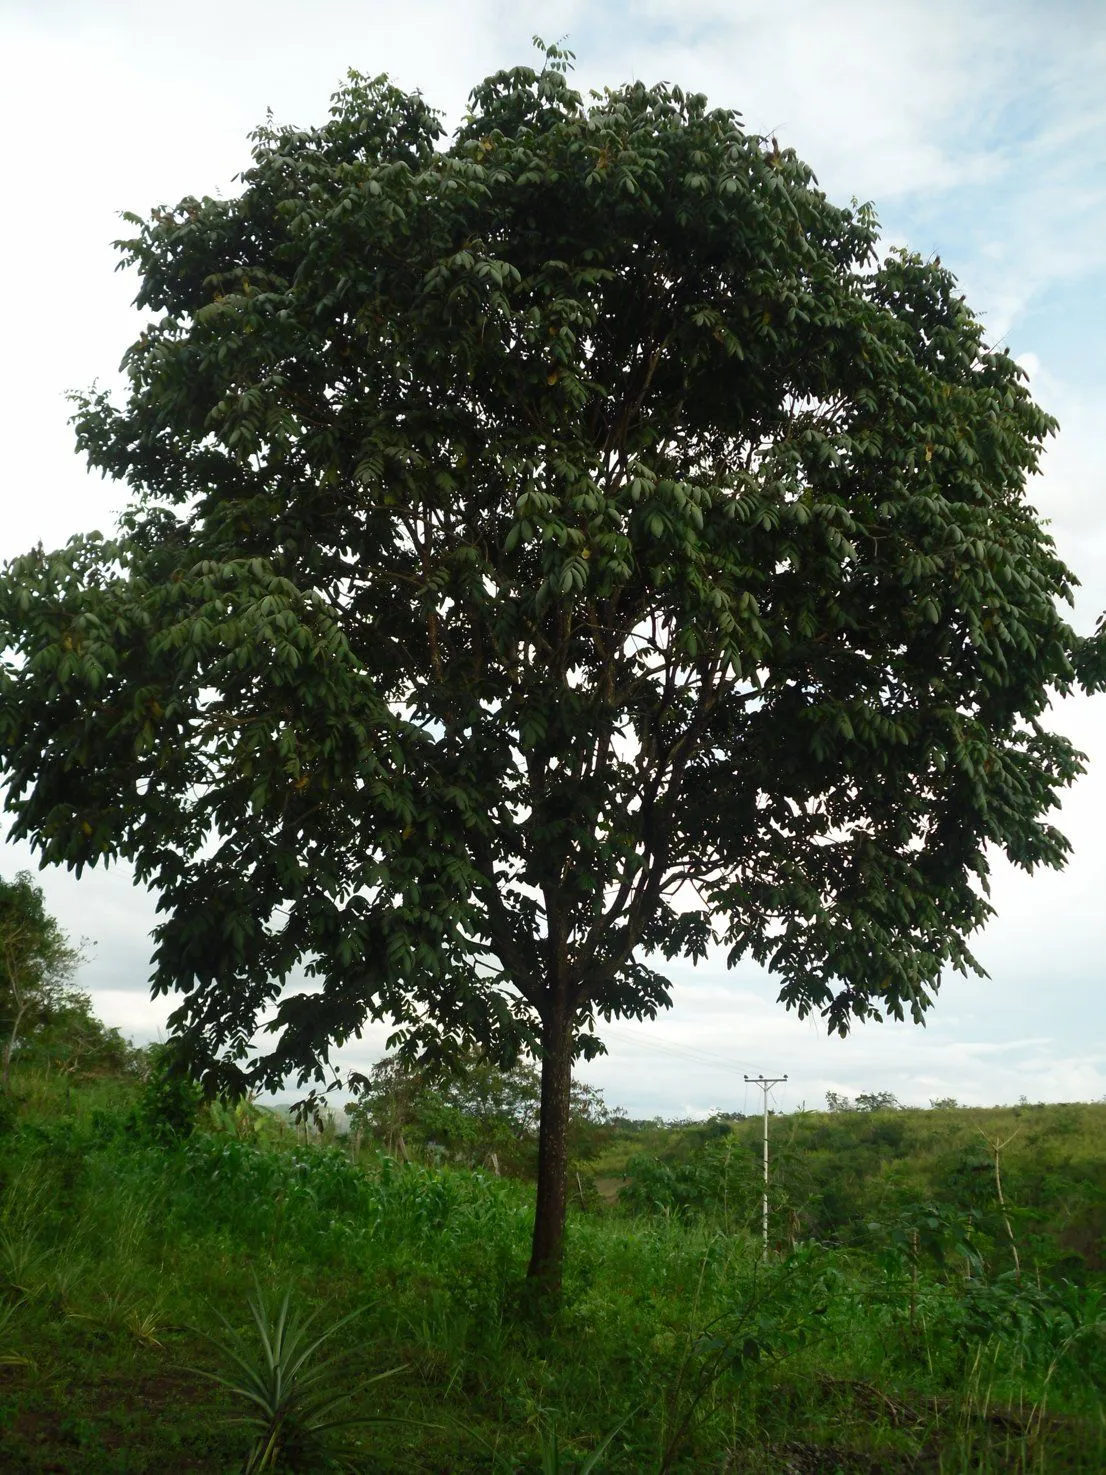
x=37 y=964
x=548 y=551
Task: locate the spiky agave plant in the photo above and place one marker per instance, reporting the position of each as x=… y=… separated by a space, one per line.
x=293 y=1398
x=9 y=1357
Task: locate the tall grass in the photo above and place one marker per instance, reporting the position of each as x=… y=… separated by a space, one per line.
x=677 y=1347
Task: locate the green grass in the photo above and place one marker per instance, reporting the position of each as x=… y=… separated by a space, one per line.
x=119 y=1258
x=834 y=1174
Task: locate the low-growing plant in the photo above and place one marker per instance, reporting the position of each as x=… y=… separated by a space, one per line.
x=9 y=1357
x=557 y=1460
x=124 y=1310
x=24 y=1265
x=292 y=1397
x=772 y=1312
x=717 y=1180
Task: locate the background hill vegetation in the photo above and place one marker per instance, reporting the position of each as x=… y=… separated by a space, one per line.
x=905 y=1320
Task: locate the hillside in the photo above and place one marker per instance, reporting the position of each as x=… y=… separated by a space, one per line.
x=888 y=1333
x=837 y=1175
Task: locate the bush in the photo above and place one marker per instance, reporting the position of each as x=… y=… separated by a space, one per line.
x=170 y=1100
x=718 y=1180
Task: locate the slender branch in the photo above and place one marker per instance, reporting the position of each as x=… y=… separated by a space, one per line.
x=638 y=895
x=499 y=921
x=996 y=1150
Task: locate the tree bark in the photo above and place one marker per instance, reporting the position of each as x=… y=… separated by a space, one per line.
x=9 y=1048
x=549 y=1216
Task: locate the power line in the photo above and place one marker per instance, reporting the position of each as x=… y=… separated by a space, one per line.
x=701 y=1057
x=765 y=1083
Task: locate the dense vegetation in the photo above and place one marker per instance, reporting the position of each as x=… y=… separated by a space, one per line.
x=44 y=1018
x=854 y=1180
x=889 y=1331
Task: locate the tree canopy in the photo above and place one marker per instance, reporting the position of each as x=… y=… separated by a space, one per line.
x=551 y=550
x=37 y=964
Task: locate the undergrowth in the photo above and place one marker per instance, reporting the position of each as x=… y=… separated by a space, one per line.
x=128 y=1265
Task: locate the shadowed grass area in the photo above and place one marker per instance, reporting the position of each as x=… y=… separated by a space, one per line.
x=121 y=1256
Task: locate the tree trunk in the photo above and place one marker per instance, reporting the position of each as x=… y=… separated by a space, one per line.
x=549 y=1216
x=9 y=1047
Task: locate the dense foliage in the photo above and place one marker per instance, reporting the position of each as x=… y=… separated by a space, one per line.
x=44 y=1018
x=476 y=1113
x=864 y=1180
x=133 y=1267
x=530 y=532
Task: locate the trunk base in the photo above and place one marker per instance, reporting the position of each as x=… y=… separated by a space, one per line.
x=544 y=1276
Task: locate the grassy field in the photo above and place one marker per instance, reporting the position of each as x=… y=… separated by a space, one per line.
x=834 y=1174
x=889 y=1331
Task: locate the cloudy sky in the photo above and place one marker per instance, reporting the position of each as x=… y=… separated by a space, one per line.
x=978 y=131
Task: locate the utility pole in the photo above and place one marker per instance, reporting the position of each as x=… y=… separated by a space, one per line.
x=765 y=1082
